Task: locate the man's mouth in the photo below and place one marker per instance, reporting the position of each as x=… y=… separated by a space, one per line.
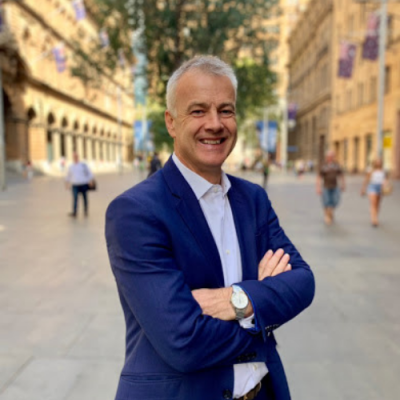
x=212 y=141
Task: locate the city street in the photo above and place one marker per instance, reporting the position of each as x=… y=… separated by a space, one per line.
x=61 y=325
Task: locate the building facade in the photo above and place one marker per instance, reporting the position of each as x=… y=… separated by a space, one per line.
x=340 y=111
x=310 y=87
x=49 y=113
x=355 y=100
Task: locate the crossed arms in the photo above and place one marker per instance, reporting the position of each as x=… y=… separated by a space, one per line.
x=154 y=291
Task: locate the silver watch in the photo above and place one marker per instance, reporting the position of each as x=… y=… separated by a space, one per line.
x=240 y=301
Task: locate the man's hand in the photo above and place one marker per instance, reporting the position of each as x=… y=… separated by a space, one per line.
x=217 y=303
x=273 y=264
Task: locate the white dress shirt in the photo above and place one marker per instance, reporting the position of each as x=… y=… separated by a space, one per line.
x=215 y=204
x=79 y=174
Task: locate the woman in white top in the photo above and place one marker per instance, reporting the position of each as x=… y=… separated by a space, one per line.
x=373 y=183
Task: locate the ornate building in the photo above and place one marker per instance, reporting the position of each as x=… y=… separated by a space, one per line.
x=355 y=106
x=339 y=111
x=49 y=113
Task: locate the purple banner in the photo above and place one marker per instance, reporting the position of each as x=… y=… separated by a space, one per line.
x=60 y=57
x=80 y=11
x=292 y=111
x=346 y=59
x=371 y=42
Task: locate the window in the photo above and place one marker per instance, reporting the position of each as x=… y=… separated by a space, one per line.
x=388 y=78
x=360 y=94
x=349 y=100
x=373 y=89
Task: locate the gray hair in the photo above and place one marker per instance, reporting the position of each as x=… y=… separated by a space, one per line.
x=208 y=64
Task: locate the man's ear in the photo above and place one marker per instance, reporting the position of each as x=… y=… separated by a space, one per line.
x=170 y=123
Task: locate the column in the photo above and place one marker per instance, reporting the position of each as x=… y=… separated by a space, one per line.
x=56 y=147
x=68 y=146
x=79 y=146
x=89 y=152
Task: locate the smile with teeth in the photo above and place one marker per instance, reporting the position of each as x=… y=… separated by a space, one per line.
x=213 y=141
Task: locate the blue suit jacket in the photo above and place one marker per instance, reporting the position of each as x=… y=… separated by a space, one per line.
x=160 y=249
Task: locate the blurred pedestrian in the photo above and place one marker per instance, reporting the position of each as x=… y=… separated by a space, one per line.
x=300 y=168
x=265 y=170
x=374 y=182
x=155 y=164
x=79 y=178
x=329 y=174
x=28 y=171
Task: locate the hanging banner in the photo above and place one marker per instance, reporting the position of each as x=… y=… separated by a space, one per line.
x=80 y=11
x=267 y=136
x=143 y=141
x=346 y=59
x=292 y=111
x=371 y=42
x=60 y=57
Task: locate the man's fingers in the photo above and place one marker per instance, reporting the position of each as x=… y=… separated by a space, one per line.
x=283 y=263
x=288 y=268
x=264 y=263
x=269 y=263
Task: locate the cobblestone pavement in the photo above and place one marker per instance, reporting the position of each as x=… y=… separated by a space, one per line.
x=61 y=327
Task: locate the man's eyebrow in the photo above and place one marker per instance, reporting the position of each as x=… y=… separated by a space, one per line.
x=228 y=104
x=197 y=104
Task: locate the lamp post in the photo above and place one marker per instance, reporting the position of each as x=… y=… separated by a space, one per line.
x=3 y=183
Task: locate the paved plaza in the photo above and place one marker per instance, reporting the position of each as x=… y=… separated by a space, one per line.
x=62 y=329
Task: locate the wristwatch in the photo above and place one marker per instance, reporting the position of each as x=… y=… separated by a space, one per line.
x=240 y=301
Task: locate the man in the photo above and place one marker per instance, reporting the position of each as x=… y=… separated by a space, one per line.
x=200 y=291
x=155 y=164
x=79 y=178
x=329 y=173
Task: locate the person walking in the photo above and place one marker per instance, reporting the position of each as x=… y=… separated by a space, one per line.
x=204 y=271
x=265 y=170
x=329 y=175
x=374 y=182
x=79 y=178
x=155 y=164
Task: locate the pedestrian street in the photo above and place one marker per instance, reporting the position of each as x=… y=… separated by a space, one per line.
x=61 y=325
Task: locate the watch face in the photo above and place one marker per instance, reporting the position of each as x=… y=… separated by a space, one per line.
x=240 y=300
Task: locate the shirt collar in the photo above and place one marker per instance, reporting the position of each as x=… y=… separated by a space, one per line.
x=199 y=185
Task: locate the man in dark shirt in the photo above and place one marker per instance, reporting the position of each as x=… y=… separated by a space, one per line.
x=155 y=164
x=329 y=173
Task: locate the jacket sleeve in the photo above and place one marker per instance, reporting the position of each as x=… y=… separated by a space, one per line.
x=154 y=289
x=276 y=300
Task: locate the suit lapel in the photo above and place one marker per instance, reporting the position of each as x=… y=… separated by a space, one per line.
x=244 y=230
x=190 y=211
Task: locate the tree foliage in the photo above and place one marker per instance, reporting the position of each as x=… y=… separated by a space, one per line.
x=176 y=30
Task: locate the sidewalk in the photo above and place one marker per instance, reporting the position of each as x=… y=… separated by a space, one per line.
x=62 y=329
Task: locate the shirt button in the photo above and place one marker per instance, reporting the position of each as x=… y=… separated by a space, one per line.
x=228 y=252
x=255 y=367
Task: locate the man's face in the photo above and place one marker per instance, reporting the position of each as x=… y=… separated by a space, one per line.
x=204 y=125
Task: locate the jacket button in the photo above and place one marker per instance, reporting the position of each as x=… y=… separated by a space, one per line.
x=227 y=394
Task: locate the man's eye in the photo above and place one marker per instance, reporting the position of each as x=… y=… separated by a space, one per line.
x=227 y=112
x=197 y=112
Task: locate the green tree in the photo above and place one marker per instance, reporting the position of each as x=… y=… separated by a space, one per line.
x=176 y=30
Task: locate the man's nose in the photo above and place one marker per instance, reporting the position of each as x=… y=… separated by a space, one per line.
x=214 y=121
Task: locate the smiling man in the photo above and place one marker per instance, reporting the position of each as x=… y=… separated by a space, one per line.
x=204 y=271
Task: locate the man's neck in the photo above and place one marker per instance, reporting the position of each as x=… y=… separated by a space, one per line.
x=212 y=176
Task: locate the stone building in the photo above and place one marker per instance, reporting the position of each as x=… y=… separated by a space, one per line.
x=355 y=107
x=336 y=112
x=310 y=87
x=49 y=114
